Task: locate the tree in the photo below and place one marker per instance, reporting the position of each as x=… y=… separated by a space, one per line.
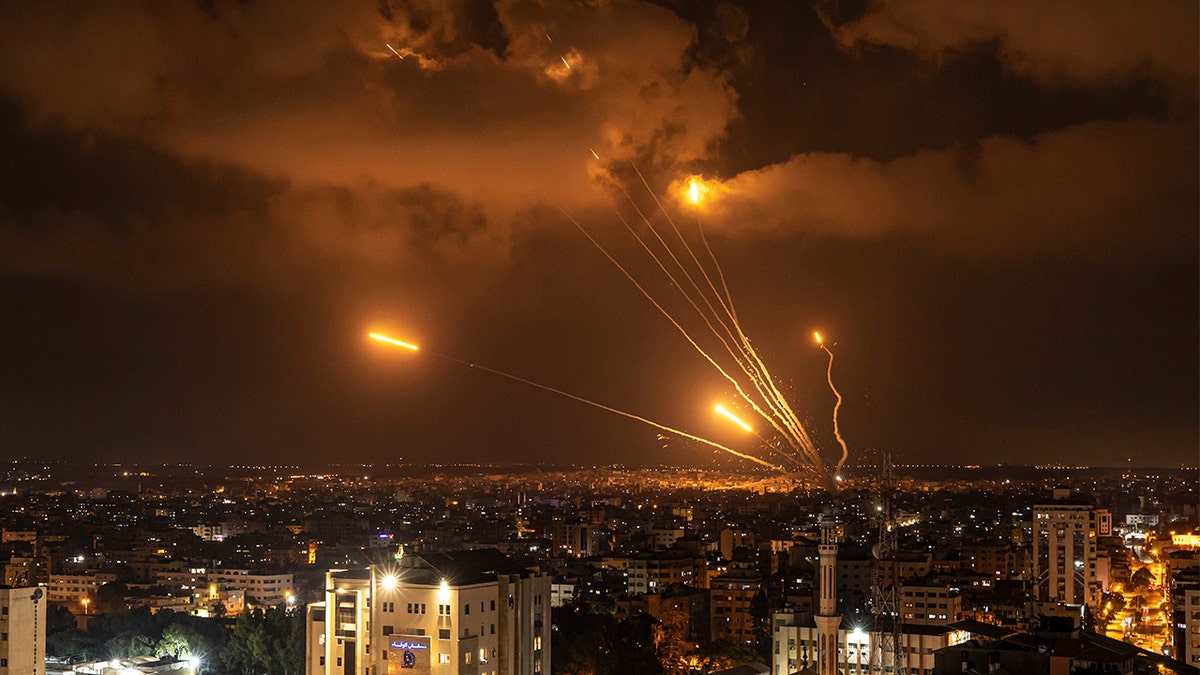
x=129 y=644
x=58 y=619
x=670 y=640
x=579 y=643
x=244 y=652
x=760 y=611
x=270 y=641
x=1087 y=622
x=75 y=644
x=1142 y=578
x=633 y=646
x=179 y=640
x=722 y=655
x=110 y=598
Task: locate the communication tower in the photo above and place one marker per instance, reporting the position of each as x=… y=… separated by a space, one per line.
x=885 y=605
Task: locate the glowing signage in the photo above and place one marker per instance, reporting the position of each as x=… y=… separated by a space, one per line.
x=405 y=644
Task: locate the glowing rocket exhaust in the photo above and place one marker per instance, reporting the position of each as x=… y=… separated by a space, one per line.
x=836 y=432
x=724 y=412
x=712 y=327
x=394 y=341
x=594 y=404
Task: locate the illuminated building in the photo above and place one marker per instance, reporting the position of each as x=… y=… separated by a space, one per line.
x=930 y=604
x=23 y=624
x=75 y=587
x=731 y=595
x=575 y=540
x=796 y=642
x=1186 y=540
x=474 y=612
x=653 y=572
x=1182 y=576
x=1065 y=559
x=263 y=589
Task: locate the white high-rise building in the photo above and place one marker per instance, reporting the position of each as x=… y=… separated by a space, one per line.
x=1065 y=560
x=23 y=625
x=475 y=612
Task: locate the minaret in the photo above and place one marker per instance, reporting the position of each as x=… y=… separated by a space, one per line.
x=827 y=617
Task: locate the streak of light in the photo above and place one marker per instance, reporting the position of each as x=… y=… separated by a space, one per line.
x=394 y=341
x=746 y=357
x=683 y=331
x=724 y=412
x=564 y=60
x=594 y=154
x=836 y=432
x=401 y=56
x=581 y=399
x=709 y=297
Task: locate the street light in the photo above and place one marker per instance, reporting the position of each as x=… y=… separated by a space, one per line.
x=85 y=601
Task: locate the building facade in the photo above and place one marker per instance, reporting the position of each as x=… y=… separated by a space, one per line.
x=467 y=612
x=22 y=631
x=654 y=572
x=732 y=618
x=796 y=642
x=1065 y=559
x=262 y=589
x=930 y=604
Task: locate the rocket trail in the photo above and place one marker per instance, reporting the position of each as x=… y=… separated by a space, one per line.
x=580 y=399
x=707 y=294
x=615 y=411
x=748 y=360
x=683 y=331
x=740 y=350
x=724 y=412
x=836 y=433
x=394 y=341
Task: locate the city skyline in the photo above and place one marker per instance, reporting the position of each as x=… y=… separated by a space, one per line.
x=989 y=211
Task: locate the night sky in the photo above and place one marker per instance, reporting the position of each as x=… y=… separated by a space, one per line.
x=989 y=208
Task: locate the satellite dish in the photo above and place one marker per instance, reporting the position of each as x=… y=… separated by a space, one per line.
x=37 y=593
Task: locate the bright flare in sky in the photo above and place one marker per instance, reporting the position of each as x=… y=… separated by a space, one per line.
x=723 y=411
x=696 y=190
x=394 y=341
x=818 y=337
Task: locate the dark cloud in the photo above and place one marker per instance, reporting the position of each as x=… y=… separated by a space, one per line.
x=311 y=92
x=1086 y=190
x=1106 y=41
